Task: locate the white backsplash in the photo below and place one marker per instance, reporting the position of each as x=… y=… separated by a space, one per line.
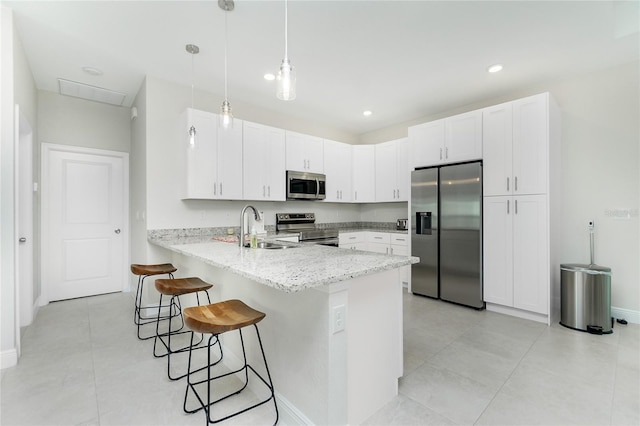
x=227 y=213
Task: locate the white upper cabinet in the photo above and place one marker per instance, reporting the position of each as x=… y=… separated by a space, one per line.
x=515 y=147
x=463 y=138
x=530 y=144
x=363 y=173
x=304 y=153
x=214 y=157
x=230 y=162
x=426 y=144
x=338 y=171
x=497 y=147
x=450 y=140
x=392 y=171
x=263 y=162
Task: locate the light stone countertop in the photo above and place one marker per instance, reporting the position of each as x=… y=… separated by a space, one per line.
x=289 y=270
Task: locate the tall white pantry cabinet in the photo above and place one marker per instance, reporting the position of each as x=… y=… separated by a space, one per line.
x=521 y=180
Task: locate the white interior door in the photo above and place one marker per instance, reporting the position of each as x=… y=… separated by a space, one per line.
x=85 y=216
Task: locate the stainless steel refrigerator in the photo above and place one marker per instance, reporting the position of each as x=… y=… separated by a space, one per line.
x=446 y=233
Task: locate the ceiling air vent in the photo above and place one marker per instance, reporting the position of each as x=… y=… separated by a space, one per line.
x=92 y=93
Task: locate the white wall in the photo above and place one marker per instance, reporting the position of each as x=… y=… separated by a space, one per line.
x=138 y=180
x=600 y=163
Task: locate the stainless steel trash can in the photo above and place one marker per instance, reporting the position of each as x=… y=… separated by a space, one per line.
x=585 y=298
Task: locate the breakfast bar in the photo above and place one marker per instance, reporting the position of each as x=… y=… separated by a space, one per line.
x=333 y=326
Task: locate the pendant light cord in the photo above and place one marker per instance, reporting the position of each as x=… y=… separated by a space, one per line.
x=192 y=77
x=286 y=30
x=226 y=37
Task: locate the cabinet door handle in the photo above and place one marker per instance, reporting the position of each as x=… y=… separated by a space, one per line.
x=391 y=250
x=516 y=184
x=341 y=194
x=507 y=183
x=215 y=189
x=441 y=153
x=507 y=206
x=398 y=193
x=355 y=195
x=269 y=191
x=264 y=191
x=516 y=206
x=220 y=188
x=446 y=152
x=394 y=194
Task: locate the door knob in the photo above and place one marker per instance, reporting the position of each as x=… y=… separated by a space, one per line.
x=117 y=231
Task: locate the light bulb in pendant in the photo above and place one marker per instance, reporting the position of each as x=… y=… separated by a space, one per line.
x=192 y=136
x=226 y=116
x=286 y=81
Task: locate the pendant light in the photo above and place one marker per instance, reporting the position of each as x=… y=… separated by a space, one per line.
x=193 y=50
x=286 y=75
x=226 y=116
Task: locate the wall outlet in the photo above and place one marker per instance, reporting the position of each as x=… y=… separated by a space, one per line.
x=339 y=318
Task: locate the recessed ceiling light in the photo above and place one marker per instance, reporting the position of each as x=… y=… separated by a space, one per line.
x=495 y=68
x=367 y=113
x=92 y=70
x=269 y=77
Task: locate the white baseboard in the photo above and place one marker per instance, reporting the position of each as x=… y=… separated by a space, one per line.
x=288 y=413
x=8 y=358
x=514 y=312
x=627 y=314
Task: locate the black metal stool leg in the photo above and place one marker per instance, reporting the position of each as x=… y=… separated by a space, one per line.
x=175 y=300
x=207 y=407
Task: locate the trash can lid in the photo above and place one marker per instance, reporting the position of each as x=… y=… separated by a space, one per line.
x=589 y=269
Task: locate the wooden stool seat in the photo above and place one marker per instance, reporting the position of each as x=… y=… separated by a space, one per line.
x=179 y=286
x=221 y=317
x=163 y=268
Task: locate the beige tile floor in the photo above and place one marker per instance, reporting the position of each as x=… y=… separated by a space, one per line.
x=83 y=365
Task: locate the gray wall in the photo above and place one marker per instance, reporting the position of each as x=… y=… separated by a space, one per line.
x=66 y=120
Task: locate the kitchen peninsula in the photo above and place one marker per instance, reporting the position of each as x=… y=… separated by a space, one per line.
x=333 y=330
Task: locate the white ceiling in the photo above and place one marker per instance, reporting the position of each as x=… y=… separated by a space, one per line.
x=401 y=59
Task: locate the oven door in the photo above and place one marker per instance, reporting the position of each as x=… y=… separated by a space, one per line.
x=305 y=186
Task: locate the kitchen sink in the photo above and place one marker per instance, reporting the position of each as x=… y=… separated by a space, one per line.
x=274 y=246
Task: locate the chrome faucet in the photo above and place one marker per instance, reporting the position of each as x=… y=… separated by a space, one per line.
x=242 y=230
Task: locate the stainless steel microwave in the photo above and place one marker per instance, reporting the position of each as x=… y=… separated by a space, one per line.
x=306 y=186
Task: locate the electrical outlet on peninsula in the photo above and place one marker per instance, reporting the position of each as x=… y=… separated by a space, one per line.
x=339 y=318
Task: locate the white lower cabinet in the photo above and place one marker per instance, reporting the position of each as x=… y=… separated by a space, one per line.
x=352 y=240
x=516 y=252
x=378 y=242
